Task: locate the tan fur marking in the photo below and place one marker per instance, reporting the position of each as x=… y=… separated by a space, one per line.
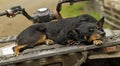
x=17 y=49
x=49 y=41
x=85 y=37
x=41 y=40
x=94 y=37
x=70 y=41
x=97 y=42
x=74 y=32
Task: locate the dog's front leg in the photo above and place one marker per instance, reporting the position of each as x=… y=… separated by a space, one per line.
x=70 y=42
x=49 y=41
x=97 y=42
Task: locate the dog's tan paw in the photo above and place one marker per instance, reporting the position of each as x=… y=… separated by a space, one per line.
x=17 y=49
x=16 y=53
x=97 y=42
x=49 y=41
x=70 y=42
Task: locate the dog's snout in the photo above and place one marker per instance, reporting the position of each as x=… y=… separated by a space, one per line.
x=102 y=33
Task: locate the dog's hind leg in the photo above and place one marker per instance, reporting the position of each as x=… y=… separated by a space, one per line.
x=21 y=48
x=41 y=40
x=16 y=49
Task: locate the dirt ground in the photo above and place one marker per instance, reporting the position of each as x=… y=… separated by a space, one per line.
x=13 y=26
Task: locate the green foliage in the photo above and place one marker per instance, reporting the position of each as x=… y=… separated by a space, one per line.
x=78 y=9
x=73 y=10
x=95 y=14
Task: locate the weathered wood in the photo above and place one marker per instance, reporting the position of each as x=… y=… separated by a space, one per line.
x=111 y=11
x=104 y=56
x=8 y=39
x=111 y=23
x=54 y=52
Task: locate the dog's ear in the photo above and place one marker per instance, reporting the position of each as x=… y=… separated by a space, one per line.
x=101 y=22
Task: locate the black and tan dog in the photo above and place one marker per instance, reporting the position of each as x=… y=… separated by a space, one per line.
x=82 y=28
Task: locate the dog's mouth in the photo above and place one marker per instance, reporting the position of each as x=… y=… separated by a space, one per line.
x=94 y=37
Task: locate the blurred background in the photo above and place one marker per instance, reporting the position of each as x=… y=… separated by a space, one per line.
x=13 y=26
x=96 y=8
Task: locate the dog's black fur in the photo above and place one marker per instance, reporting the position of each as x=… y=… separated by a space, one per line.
x=79 y=28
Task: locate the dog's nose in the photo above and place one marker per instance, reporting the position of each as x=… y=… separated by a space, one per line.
x=102 y=33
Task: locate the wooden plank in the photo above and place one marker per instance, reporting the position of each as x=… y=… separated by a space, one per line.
x=111 y=23
x=54 y=52
x=112 y=15
x=113 y=12
x=104 y=55
x=112 y=18
x=8 y=39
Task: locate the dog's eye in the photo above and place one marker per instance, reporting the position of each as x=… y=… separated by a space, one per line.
x=91 y=29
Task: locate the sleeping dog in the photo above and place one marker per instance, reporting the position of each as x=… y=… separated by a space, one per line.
x=83 y=28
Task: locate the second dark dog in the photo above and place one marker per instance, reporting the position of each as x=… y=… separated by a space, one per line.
x=82 y=28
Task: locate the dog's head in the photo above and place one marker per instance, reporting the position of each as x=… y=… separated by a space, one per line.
x=90 y=31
